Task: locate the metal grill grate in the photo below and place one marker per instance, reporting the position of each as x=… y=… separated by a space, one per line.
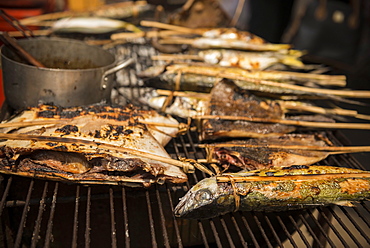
x=37 y=213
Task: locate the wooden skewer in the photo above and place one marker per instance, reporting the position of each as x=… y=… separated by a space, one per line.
x=326 y=125
x=335 y=149
x=176 y=57
x=225 y=178
x=182 y=93
x=170 y=27
x=185 y=166
x=31 y=123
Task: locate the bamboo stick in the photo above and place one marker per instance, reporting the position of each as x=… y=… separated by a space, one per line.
x=334 y=149
x=183 y=93
x=176 y=57
x=31 y=123
x=186 y=166
x=170 y=27
x=288 y=122
x=226 y=177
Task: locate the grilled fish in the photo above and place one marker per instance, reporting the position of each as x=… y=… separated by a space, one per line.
x=229 y=100
x=249 y=60
x=201 y=78
x=274 y=190
x=253 y=154
x=92 y=144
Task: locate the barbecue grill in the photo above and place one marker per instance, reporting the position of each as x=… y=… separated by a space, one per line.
x=40 y=213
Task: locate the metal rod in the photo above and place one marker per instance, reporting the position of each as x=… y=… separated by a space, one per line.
x=36 y=231
x=75 y=218
x=215 y=234
x=87 y=225
x=126 y=233
x=163 y=220
x=228 y=236
x=151 y=221
x=22 y=223
x=48 y=236
x=176 y=226
x=263 y=232
x=251 y=234
x=5 y=195
x=242 y=240
x=112 y=219
x=267 y=219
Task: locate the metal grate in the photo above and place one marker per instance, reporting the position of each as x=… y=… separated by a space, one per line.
x=38 y=213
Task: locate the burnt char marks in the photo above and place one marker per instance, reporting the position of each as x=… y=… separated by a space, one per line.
x=67 y=129
x=112 y=131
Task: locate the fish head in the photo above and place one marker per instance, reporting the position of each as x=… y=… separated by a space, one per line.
x=201 y=201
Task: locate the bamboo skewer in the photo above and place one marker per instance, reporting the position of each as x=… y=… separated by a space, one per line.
x=66 y=121
x=186 y=166
x=330 y=149
x=226 y=177
x=171 y=27
x=326 y=125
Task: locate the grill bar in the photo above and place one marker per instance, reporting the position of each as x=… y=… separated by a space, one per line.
x=5 y=195
x=231 y=243
x=51 y=217
x=262 y=230
x=35 y=235
x=113 y=222
x=151 y=221
x=18 y=239
x=273 y=230
x=310 y=231
x=244 y=244
x=176 y=228
x=163 y=221
x=347 y=230
x=75 y=218
x=126 y=233
x=87 y=223
x=320 y=231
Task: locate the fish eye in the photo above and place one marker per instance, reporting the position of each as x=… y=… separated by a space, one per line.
x=203 y=195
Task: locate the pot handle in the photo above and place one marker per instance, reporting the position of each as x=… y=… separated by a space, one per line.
x=114 y=69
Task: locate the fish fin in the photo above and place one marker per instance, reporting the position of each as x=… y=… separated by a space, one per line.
x=345 y=204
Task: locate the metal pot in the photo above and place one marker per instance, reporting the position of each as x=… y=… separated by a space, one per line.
x=76 y=73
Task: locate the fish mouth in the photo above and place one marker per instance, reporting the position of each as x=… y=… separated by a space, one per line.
x=181 y=208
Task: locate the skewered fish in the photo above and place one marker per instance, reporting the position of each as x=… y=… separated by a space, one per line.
x=229 y=100
x=274 y=190
x=201 y=78
x=253 y=154
x=249 y=60
x=92 y=144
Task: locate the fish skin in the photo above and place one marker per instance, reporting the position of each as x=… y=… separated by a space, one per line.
x=275 y=190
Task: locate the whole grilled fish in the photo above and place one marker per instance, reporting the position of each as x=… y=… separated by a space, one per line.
x=274 y=190
x=249 y=60
x=97 y=144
